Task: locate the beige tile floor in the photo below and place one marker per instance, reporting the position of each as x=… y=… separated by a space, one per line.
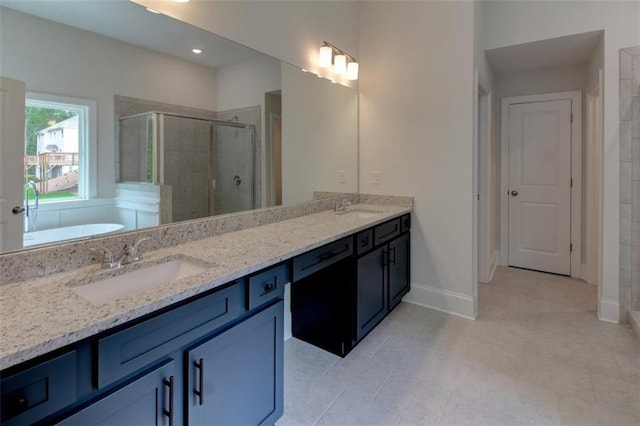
x=536 y=355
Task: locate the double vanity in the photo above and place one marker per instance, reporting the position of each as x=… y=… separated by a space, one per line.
x=194 y=333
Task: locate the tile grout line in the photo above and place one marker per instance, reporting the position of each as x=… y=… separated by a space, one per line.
x=328 y=408
x=445 y=408
x=382 y=384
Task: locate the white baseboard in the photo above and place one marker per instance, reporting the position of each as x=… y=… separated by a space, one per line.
x=493 y=264
x=441 y=300
x=609 y=310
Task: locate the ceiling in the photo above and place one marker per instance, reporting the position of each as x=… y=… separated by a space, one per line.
x=551 y=53
x=128 y=22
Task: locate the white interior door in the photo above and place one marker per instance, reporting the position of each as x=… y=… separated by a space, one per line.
x=540 y=186
x=12 y=98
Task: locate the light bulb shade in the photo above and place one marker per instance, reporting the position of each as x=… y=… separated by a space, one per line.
x=340 y=64
x=352 y=70
x=325 y=56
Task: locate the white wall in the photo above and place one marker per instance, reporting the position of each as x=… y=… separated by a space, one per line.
x=416 y=97
x=509 y=23
x=486 y=78
x=318 y=136
x=57 y=59
x=548 y=80
x=291 y=31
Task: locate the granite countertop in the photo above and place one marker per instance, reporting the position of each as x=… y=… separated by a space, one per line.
x=44 y=314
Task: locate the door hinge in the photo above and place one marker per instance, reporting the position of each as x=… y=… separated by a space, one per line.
x=478 y=197
x=571 y=183
x=570 y=247
x=571 y=121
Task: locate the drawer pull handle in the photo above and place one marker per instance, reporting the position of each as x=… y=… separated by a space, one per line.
x=170 y=412
x=18 y=403
x=199 y=390
x=326 y=256
x=270 y=286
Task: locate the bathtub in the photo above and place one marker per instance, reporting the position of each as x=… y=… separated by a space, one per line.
x=69 y=232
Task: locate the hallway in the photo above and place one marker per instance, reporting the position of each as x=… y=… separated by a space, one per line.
x=536 y=355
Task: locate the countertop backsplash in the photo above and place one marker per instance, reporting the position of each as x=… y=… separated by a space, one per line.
x=39 y=262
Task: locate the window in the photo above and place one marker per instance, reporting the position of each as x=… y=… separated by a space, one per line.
x=58 y=147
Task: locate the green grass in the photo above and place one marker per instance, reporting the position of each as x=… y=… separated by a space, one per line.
x=53 y=196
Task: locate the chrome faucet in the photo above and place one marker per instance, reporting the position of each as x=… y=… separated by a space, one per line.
x=31 y=211
x=133 y=253
x=130 y=255
x=342 y=207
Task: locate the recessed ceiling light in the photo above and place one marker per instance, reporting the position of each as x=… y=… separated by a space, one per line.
x=181 y=1
x=153 y=11
x=197 y=51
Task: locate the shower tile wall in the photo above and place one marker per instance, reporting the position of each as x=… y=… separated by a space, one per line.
x=186 y=166
x=125 y=106
x=234 y=158
x=629 y=180
x=230 y=197
x=132 y=153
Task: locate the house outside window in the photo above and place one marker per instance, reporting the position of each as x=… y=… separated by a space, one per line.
x=58 y=146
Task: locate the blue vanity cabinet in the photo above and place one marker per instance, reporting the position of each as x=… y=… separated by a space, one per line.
x=372 y=302
x=383 y=273
x=38 y=391
x=236 y=378
x=399 y=256
x=148 y=400
x=145 y=372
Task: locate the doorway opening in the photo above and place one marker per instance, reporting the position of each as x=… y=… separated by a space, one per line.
x=542 y=182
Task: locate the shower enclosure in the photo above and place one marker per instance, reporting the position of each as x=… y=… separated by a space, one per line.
x=208 y=166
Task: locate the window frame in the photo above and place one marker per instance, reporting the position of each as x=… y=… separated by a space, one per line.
x=87 y=144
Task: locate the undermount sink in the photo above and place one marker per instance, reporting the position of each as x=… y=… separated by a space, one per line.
x=129 y=283
x=361 y=213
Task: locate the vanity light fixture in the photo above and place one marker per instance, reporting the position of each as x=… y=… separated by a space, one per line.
x=326 y=56
x=197 y=51
x=342 y=62
x=352 y=70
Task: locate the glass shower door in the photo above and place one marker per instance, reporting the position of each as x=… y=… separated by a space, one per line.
x=185 y=165
x=234 y=167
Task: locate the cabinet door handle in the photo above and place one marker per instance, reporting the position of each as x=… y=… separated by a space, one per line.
x=326 y=256
x=392 y=260
x=17 y=403
x=199 y=390
x=385 y=258
x=170 y=412
x=271 y=286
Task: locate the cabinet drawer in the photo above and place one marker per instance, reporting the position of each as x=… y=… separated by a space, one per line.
x=315 y=260
x=364 y=241
x=386 y=231
x=405 y=223
x=267 y=285
x=149 y=400
x=131 y=349
x=39 y=391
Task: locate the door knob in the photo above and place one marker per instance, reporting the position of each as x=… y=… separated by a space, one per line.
x=17 y=210
x=514 y=193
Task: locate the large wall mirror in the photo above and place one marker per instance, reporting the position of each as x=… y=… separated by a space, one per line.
x=127 y=126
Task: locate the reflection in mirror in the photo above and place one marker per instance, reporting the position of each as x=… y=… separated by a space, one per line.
x=168 y=134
